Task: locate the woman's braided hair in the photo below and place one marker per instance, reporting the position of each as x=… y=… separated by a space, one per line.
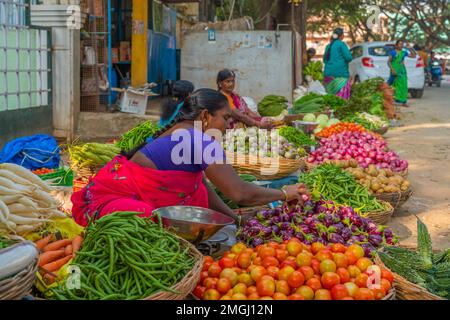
x=193 y=105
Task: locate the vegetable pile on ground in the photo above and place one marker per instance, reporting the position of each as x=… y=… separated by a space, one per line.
x=126 y=257
x=322 y=221
x=340 y=128
x=25 y=202
x=92 y=154
x=292 y=271
x=272 y=106
x=314 y=69
x=365 y=147
x=334 y=183
x=296 y=137
x=55 y=254
x=422 y=267
x=368 y=121
x=137 y=136
x=376 y=180
x=313 y=102
x=256 y=142
x=322 y=120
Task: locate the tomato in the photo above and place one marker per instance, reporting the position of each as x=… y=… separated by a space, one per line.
x=231 y=275
x=226 y=262
x=198 y=291
x=294 y=247
x=351 y=288
x=206 y=265
x=273 y=244
x=330 y=279
x=229 y=293
x=225 y=298
x=238 y=248
x=257 y=273
x=281 y=255
x=270 y=262
x=315 y=264
x=285 y=272
x=267 y=252
x=363 y=263
x=322 y=294
x=338 y=247
x=237 y=270
x=240 y=288
x=386 y=274
x=257 y=261
x=303 y=259
x=273 y=272
x=339 y=291
x=343 y=274
x=296 y=279
x=357 y=250
x=238 y=296
x=378 y=293
x=341 y=260
x=386 y=285
x=279 y=296
x=223 y=285
x=244 y=260
x=266 y=287
x=248 y=251
x=295 y=296
x=282 y=286
x=353 y=271
x=282 y=246
x=266 y=298
x=316 y=247
x=251 y=290
x=364 y=294
x=361 y=280
x=214 y=270
x=314 y=284
x=351 y=258
x=306 y=292
x=208 y=259
x=210 y=283
x=211 y=294
x=253 y=296
x=203 y=276
x=324 y=255
x=308 y=272
x=290 y=261
x=246 y=279
x=327 y=265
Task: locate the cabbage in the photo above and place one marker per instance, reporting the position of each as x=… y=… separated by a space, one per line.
x=322 y=119
x=309 y=117
x=332 y=121
x=317 y=130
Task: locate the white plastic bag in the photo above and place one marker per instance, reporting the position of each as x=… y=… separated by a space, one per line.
x=317 y=87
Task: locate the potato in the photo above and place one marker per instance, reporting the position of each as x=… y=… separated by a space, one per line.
x=375 y=186
x=353 y=163
x=379 y=191
x=389 y=173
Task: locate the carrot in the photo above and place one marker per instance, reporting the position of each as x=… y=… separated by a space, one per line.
x=76 y=243
x=68 y=250
x=50 y=256
x=40 y=244
x=49 y=278
x=56 y=265
x=57 y=245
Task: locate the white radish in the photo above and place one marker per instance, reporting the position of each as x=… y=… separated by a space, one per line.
x=26 y=221
x=24 y=229
x=14 y=177
x=14 y=186
x=26 y=174
x=43 y=197
x=10 y=199
x=57 y=213
x=19 y=208
x=28 y=202
x=9 y=192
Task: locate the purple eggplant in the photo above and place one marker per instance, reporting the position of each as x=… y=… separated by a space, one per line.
x=253 y=222
x=299 y=236
x=275 y=229
x=267 y=231
x=276 y=219
x=285 y=225
x=368 y=249
x=285 y=235
x=346 y=233
x=354 y=228
x=375 y=240
x=336 y=238
x=257 y=242
x=388 y=233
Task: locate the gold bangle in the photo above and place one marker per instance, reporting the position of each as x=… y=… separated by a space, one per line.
x=285 y=194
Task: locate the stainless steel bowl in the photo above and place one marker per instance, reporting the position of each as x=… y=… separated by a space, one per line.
x=194 y=224
x=306 y=127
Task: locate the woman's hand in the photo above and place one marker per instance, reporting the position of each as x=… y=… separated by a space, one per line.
x=297 y=192
x=265 y=123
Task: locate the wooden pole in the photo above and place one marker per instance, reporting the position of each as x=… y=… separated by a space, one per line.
x=139 y=45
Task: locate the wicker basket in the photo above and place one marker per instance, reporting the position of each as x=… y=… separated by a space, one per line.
x=18 y=286
x=407 y=290
x=382 y=130
x=382 y=217
x=262 y=169
x=391 y=295
x=190 y=280
x=396 y=199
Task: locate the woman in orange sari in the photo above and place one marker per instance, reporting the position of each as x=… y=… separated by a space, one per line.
x=240 y=112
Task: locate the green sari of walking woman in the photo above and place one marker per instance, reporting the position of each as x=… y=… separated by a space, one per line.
x=399 y=81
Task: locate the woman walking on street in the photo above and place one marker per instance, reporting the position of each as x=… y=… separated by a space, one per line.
x=399 y=78
x=337 y=57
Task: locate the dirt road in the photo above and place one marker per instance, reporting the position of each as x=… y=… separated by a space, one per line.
x=424 y=140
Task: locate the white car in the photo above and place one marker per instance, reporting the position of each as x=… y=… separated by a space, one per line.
x=370 y=60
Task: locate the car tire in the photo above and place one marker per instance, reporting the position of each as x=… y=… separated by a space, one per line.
x=417 y=93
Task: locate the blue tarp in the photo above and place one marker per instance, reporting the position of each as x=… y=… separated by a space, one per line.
x=32 y=152
x=162 y=59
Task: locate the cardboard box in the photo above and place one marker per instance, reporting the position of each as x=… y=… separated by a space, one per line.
x=125 y=51
x=134 y=102
x=115 y=55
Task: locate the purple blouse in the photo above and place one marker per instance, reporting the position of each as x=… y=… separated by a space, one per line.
x=188 y=150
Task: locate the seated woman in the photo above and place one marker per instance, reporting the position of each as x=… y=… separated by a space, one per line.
x=170 y=172
x=182 y=89
x=240 y=112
